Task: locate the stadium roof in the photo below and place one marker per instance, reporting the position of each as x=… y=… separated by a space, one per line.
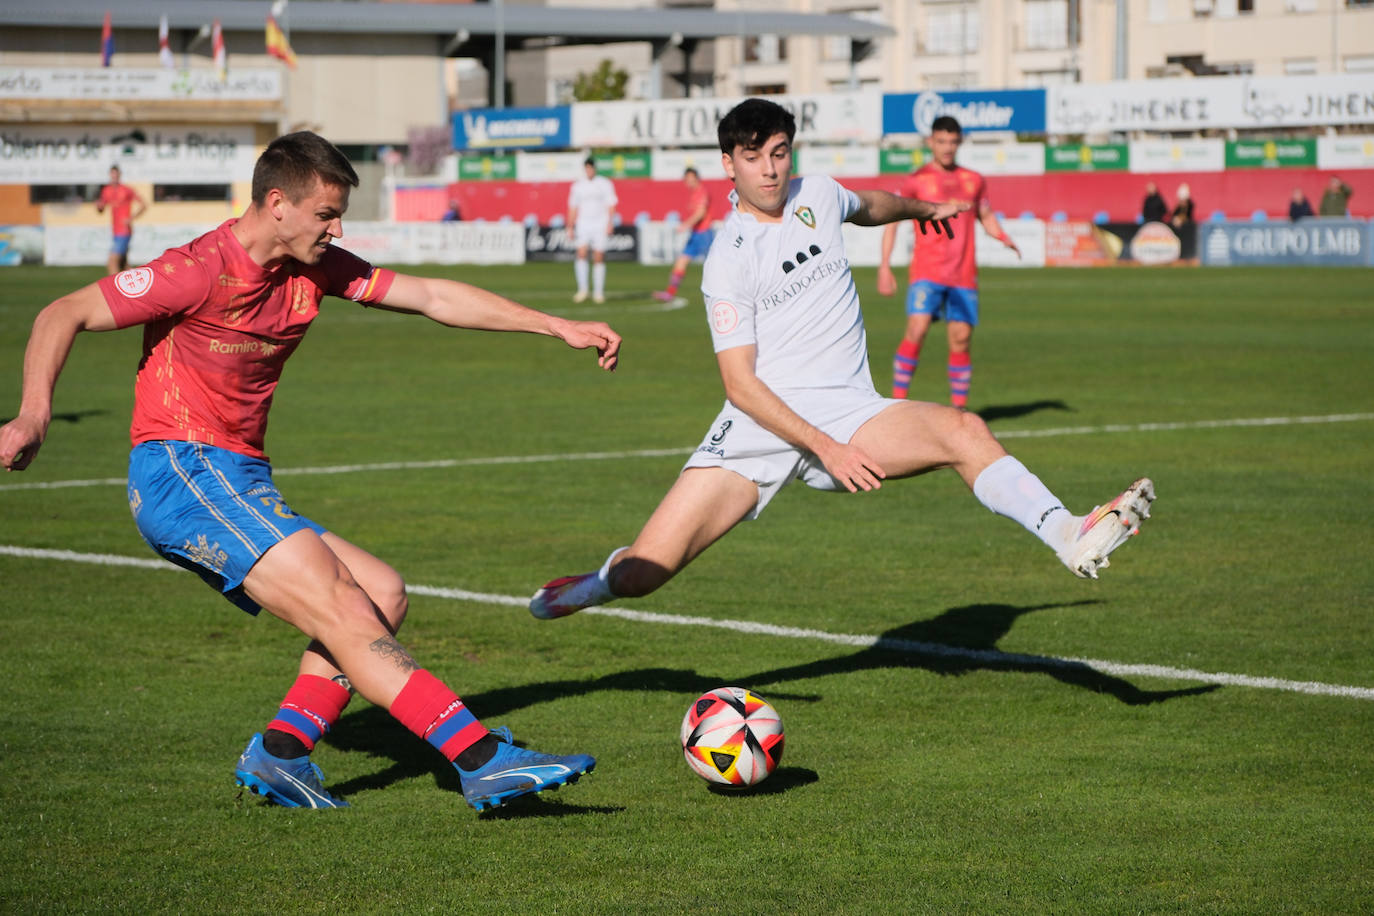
x=519 y=22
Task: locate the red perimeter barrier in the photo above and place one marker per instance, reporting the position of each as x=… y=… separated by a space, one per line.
x=1078 y=195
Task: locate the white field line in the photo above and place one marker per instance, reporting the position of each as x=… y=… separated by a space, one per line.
x=913 y=647
x=666 y=452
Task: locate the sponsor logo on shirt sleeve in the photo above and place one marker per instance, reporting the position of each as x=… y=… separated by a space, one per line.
x=135 y=281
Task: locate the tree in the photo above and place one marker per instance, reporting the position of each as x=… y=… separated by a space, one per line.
x=605 y=84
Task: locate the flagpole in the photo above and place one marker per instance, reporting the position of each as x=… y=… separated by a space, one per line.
x=281 y=12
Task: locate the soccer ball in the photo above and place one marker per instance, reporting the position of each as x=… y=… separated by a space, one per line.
x=732 y=737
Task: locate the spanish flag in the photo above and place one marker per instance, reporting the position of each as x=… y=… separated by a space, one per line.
x=276 y=43
x=106 y=41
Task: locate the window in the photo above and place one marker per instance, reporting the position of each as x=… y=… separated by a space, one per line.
x=765 y=49
x=836 y=47
x=1300 y=66
x=63 y=193
x=163 y=193
x=1047 y=24
x=1300 y=6
x=1359 y=63
x=952 y=30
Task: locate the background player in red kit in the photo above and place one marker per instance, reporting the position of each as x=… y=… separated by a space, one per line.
x=126 y=205
x=943 y=277
x=220 y=317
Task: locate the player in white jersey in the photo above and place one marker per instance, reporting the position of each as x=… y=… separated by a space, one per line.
x=789 y=341
x=591 y=214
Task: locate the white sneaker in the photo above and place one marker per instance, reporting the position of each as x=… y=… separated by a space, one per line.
x=1106 y=528
x=598 y=298
x=580 y=296
x=569 y=595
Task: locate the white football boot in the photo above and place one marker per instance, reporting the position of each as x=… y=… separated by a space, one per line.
x=1106 y=528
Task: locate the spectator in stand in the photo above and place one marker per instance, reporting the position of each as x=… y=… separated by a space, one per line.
x=453 y=214
x=1183 y=209
x=1336 y=200
x=1299 y=206
x=1153 y=209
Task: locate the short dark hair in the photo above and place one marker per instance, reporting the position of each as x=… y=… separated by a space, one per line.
x=690 y=171
x=947 y=124
x=590 y=160
x=292 y=162
x=750 y=123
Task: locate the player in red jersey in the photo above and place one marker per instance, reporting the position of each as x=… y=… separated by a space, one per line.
x=126 y=205
x=699 y=228
x=943 y=277
x=220 y=317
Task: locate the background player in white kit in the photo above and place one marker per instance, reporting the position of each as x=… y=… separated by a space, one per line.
x=790 y=344
x=591 y=213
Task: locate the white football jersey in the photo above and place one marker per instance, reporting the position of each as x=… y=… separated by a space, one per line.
x=594 y=199
x=787 y=289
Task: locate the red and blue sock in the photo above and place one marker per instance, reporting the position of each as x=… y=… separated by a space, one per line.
x=309 y=710
x=904 y=364
x=433 y=712
x=674 y=281
x=960 y=375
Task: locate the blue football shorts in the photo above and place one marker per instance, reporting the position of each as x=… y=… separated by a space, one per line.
x=120 y=244
x=209 y=510
x=698 y=243
x=953 y=303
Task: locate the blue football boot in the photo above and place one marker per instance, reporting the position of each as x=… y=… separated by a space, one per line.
x=295 y=783
x=513 y=771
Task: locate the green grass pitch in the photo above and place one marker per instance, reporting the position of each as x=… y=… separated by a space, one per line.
x=982 y=778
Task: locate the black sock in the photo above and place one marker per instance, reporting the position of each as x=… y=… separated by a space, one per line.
x=478 y=753
x=283 y=745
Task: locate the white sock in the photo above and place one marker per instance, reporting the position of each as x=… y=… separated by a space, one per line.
x=1007 y=488
x=604 y=573
x=598 y=278
x=580 y=272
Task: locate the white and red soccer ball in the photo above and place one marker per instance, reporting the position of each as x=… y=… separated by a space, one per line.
x=732 y=737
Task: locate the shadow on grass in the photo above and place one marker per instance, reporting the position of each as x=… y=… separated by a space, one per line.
x=964 y=639
x=1012 y=411
x=783 y=779
x=960 y=640
x=372 y=731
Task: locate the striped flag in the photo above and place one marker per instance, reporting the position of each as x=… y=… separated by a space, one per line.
x=277 y=45
x=164 y=47
x=106 y=41
x=217 y=45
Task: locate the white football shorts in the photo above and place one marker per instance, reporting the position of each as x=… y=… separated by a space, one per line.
x=737 y=443
x=593 y=237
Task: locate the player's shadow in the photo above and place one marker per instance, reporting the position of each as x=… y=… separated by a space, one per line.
x=960 y=640
x=995 y=412
x=373 y=731
x=964 y=639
